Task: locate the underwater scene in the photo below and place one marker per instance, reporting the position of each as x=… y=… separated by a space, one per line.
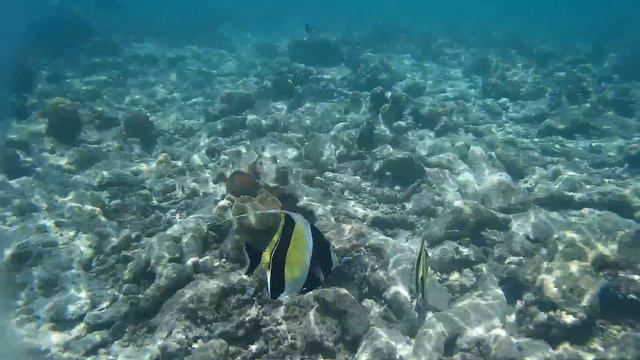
x=370 y=180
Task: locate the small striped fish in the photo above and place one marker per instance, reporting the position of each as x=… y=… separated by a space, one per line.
x=420 y=274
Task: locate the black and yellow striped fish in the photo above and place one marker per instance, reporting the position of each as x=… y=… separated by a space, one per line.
x=421 y=272
x=298 y=258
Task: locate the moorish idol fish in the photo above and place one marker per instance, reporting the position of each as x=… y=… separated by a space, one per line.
x=420 y=275
x=297 y=259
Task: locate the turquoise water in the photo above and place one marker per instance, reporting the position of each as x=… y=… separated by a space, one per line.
x=256 y=180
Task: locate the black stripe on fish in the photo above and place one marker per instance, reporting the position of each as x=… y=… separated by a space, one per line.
x=321 y=261
x=321 y=251
x=279 y=257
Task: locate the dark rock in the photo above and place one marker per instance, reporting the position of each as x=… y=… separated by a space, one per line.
x=236 y=103
x=568 y=129
x=118 y=179
x=172 y=278
x=513 y=164
x=282 y=87
x=63 y=121
x=605 y=263
x=467 y=220
x=282 y=175
x=398 y=221
x=496 y=88
x=425 y=203
x=619 y=300
x=377 y=98
x=138 y=125
x=315 y=51
x=610 y=199
x=66 y=311
x=577 y=94
x=104 y=121
x=136 y=269
x=169 y=349
x=554 y=199
x=553 y=328
x=414 y=88
x=353 y=317
x=450 y=257
x=213 y=151
x=105 y=318
x=365 y=139
x=85 y=157
x=428 y=117
x=25 y=207
x=394 y=110
x=447 y=126
x=401 y=170
x=13 y=164
x=513 y=286
x=480 y=66
x=373 y=72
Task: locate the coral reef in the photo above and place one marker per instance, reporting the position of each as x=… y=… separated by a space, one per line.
x=63 y=121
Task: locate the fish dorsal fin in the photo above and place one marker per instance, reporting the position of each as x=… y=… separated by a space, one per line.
x=268 y=252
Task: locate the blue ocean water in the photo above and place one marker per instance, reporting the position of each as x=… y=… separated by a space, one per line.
x=147 y=146
x=564 y=22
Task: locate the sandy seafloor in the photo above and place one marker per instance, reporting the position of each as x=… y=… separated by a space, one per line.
x=520 y=170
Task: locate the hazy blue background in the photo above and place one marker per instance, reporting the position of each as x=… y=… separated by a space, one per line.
x=560 y=23
x=561 y=19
